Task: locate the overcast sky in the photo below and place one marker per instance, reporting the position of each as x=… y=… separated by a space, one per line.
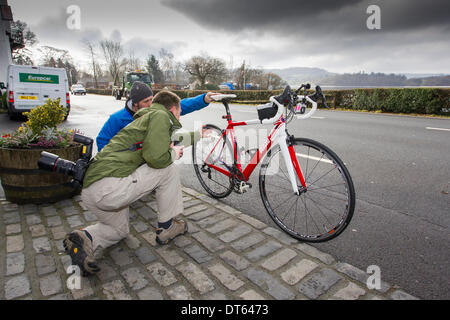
x=329 y=34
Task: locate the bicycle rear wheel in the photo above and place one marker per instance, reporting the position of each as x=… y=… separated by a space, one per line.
x=216 y=151
x=321 y=212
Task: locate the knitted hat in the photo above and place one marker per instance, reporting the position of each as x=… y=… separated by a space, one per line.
x=140 y=91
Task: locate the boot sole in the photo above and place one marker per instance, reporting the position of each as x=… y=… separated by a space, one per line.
x=77 y=253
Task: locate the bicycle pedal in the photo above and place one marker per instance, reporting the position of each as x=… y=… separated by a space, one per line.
x=243 y=187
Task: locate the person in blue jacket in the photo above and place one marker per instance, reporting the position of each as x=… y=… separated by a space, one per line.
x=141 y=96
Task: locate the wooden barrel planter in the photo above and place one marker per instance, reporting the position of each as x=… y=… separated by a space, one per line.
x=23 y=182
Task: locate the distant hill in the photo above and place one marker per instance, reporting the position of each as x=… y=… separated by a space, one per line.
x=298 y=75
x=422 y=75
x=429 y=81
x=364 y=79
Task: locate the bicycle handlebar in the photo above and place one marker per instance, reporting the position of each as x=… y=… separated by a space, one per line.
x=286 y=98
x=289 y=98
x=299 y=117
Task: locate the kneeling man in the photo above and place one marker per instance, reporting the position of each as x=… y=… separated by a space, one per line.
x=138 y=160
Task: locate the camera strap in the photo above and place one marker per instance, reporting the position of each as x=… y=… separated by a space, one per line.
x=134 y=147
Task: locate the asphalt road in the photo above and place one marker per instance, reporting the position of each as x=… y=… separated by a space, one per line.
x=401 y=170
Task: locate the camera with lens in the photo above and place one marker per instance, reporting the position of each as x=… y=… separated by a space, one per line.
x=53 y=163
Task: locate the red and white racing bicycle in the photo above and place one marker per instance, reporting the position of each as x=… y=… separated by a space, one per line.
x=305 y=187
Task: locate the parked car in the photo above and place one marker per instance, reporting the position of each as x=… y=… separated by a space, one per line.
x=30 y=86
x=78 y=89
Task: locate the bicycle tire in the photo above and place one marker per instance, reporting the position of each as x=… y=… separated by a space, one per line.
x=339 y=195
x=205 y=177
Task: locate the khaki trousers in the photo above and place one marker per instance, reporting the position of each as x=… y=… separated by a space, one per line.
x=109 y=199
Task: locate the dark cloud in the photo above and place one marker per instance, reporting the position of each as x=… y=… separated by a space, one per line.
x=268 y=33
x=403 y=15
x=235 y=15
x=329 y=33
x=280 y=16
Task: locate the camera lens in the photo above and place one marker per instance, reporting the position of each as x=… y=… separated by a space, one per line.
x=65 y=167
x=53 y=163
x=47 y=161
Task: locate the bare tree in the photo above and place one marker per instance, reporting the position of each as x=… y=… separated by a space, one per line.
x=113 y=51
x=91 y=50
x=205 y=68
x=269 y=81
x=134 y=63
x=22 y=33
x=166 y=60
x=245 y=74
x=59 y=58
x=50 y=56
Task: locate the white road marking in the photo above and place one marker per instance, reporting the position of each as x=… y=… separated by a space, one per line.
x=317 y=117
x=313 y=158
x=440 y=129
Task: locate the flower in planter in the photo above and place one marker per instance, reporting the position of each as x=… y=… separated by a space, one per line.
x=41 y=129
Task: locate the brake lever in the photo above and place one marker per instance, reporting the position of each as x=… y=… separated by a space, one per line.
x=324 y=101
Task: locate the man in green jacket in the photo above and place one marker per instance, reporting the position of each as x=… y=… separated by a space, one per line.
x=138 y=160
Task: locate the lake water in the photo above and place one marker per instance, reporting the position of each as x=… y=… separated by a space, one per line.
x=370 y=87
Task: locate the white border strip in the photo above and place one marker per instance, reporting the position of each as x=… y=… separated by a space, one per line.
x=439 y=129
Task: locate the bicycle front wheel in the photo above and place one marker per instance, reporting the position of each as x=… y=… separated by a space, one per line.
x=321 y=211
x=214 y=150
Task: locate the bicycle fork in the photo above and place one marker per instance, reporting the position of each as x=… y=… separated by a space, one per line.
x=290 y=160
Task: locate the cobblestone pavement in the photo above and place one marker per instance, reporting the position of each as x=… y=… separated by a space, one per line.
x=225 y=255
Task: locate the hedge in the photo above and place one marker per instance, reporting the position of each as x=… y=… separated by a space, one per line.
x=3 y=102
x=394 y=100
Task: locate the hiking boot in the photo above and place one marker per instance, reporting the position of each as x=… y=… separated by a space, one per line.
x=164 y=236
x=79 y=247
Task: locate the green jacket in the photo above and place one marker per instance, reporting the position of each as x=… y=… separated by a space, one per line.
x=154 y=127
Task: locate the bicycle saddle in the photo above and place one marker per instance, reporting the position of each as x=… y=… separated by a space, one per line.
x=220 y=97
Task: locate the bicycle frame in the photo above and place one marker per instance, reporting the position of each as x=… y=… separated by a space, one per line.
x=278 y=136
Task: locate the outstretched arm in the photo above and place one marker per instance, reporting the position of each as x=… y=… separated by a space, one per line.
x=189 y=105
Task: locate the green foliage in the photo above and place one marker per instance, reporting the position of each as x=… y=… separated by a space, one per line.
x=21 y=138
x=407 y=100
x=209 y=86
x=106 y=92
x=434 y=101
x=40 y=131
x=154 y=69
x=50 y=115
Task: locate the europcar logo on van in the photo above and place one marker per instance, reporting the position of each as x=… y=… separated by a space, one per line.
x=41 y=78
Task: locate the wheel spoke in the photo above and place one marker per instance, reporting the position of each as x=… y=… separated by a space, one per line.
x=331 y=196
x=284 y=201
x=315 y=167
x=289 y=210
x=320 y=210
x=324 y=207
x=312 y=183
x=308 y=213
x=282 y=187
x=333 y=185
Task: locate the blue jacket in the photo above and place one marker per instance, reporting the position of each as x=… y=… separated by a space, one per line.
x=123 y=117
